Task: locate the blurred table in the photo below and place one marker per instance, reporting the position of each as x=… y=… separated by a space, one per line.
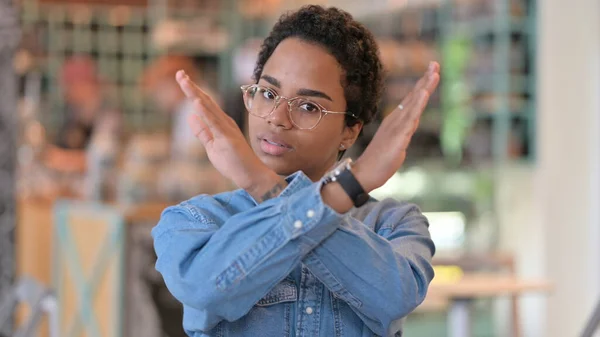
x=470 y=287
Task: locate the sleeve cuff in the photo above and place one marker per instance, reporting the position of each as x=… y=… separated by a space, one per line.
x=306 y=210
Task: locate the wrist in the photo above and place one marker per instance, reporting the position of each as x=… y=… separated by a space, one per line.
x=363 y=176
x=343 y=189
x=335 y=197
x=265 y=185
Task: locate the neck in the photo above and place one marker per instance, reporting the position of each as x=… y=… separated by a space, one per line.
x=317 y=175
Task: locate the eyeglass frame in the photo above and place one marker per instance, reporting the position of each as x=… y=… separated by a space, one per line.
x=278 y=98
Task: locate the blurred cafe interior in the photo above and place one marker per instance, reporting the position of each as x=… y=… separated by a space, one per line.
x=505 y=163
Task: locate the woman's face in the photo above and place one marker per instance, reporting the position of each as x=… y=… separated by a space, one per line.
x=298 y=68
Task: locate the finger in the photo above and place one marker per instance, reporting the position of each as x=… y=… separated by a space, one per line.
x=400 y=112
x=415 y=126
x=201 y=101
x=193 y=91
x=408 y=134
x=186 y=85
x=206 y=114
x=432 y=83
x=189 y=88
x=412 y=112
x=421 y=82
x=433 y=68
x=200 y=129
x=426 y=81
x=419 y=105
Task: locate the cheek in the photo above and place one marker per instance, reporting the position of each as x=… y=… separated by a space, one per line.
x=254 y=125
x=319 y=143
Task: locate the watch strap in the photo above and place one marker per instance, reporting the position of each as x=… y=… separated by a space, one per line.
x=352 y=187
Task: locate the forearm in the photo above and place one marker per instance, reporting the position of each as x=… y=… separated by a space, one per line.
x=334 y=195
x=215 y=273
x=382 y=279
x=255 y=249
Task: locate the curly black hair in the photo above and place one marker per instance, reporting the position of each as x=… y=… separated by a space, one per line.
x=347 y=40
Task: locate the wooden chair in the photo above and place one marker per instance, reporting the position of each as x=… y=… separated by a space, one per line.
x=88 y=268
x=38 y=299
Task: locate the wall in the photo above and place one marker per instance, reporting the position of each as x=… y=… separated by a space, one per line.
x=552 y=218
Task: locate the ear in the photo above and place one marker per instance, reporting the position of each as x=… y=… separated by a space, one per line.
x=350 y=134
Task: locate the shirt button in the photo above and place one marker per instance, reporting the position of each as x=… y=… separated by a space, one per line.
x=309 y=310
x=298 y=224
x=310 y=213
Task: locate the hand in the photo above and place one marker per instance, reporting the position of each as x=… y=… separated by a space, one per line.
x=225 y=145
x=387 y=150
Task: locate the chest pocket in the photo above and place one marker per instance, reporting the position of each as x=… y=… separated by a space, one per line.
x=285 y=291
x=271 y=316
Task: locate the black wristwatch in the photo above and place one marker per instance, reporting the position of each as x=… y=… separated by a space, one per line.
x=342 y=174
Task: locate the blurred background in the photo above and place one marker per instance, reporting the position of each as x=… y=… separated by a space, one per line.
x=506 y=163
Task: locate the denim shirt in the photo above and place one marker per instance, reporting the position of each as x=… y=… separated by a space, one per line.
x=292 y=266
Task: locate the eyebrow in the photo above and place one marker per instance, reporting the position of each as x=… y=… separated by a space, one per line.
x=272 y=80
x=300 y=92
x=312 y=93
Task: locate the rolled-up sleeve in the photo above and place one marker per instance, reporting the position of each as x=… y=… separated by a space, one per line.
x=382 y=275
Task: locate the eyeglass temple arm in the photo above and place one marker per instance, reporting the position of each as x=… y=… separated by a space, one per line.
x=340 y=113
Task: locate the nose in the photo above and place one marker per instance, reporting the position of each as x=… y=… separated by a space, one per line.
x=280 y=116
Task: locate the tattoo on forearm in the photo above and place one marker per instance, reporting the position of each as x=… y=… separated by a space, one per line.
x=273 y=192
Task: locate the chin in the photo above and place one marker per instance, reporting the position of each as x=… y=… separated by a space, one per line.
x=280 y=165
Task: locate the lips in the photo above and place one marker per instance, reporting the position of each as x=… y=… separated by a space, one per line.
x=274 y=145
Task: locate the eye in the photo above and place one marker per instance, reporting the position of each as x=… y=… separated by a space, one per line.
x=266 y=93
x=309 y=107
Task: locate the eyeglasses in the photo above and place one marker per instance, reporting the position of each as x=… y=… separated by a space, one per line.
x=304 y=114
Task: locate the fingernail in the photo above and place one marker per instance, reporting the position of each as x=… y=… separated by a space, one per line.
x=430 y=68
